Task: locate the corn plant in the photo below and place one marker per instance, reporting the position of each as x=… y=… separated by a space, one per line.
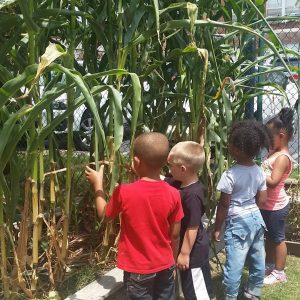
x=181 y=68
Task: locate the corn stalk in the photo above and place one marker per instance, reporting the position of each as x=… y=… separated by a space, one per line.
x=3 y=266
x=70 y=97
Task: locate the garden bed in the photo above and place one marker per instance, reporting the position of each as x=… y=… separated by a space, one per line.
x=293 y=220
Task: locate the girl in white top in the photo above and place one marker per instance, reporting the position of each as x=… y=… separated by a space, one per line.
x=242 y=187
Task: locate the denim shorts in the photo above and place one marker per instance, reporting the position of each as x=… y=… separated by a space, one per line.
x=275 y=222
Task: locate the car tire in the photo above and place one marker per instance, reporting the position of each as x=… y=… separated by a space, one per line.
x=83 y=137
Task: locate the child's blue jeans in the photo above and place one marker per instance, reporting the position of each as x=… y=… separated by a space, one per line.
x=244 y=241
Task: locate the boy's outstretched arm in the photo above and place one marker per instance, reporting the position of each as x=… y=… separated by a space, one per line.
x=175 y=238
x=222 y=212
x=96 y=180
x=183 y=260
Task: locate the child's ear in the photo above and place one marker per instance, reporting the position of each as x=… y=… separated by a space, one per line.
x=183 y=168
x=281 y=134
x=136 y=161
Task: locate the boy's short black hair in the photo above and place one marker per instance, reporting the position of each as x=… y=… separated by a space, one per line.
x=152 y=148
x=249 y=136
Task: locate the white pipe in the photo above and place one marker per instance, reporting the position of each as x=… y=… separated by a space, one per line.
x=283 y=7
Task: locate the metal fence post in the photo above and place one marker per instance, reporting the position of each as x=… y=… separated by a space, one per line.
x=259 y=112
x=249 y=52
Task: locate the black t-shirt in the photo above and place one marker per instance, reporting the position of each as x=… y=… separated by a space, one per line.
x=192 y=199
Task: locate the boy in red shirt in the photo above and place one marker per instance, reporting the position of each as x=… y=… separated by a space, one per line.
x=150 y=226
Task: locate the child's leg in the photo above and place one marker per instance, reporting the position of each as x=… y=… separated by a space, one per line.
x=208 y=280
x=256 y=260
x=270 y=251
x=269 y=245
x=164 y=285
x=196 y=283
x=139 y=286
x=276 y=254
x=280 y=256
x=275 y=246
x=236 y=236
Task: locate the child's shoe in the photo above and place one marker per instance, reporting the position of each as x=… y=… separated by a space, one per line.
x=247 y=295
x=275 y=277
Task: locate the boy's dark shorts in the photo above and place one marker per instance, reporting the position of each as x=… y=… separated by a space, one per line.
x=197 y=281
x=275 y=222
x=159 y=285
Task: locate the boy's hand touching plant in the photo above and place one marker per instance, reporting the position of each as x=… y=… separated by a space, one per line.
x=96 y=180
x=95 y=177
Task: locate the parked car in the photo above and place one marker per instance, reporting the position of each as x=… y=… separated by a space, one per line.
x=83 y=123
x=274 y=101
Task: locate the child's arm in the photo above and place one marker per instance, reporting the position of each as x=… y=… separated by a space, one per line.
x=280 y=167
x=222 y=211
x=261 y=198
x=96 y=180
x=183 y=260
x=175 y=238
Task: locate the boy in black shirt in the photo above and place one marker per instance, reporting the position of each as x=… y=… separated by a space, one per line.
x=185 y=160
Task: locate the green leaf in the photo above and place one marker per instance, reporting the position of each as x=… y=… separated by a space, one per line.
x=27 y=17
x=77 y=78
x=156 y=9
x=8 y=126
x=11 y=87
x=260 y=2
x=118 y=117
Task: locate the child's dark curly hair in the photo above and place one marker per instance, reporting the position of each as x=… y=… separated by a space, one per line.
x=284 y=120
x=249 y=136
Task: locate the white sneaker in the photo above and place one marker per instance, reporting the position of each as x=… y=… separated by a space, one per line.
x=275 y=277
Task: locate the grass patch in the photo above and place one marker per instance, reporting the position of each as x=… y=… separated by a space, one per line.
x=289 y=290
x=283 y=291
x=78 y=280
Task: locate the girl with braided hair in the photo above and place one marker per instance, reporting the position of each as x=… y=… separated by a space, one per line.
x=277 y=167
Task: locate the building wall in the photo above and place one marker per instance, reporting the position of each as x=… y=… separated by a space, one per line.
x=282 y=7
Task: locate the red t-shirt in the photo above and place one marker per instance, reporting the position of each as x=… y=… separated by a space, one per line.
x=148 y=209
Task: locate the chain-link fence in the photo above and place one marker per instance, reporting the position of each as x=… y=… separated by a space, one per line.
x=289 y=35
